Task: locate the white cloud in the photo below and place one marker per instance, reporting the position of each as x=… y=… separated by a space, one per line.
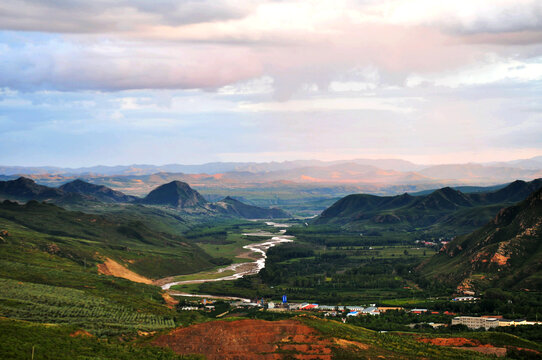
x=398 y=105
x=351 y=86
x=494 y=71
x=242 y=47
x=261 y=85
x=109 y=16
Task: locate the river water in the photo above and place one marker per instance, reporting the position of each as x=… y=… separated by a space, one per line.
x=243 y=269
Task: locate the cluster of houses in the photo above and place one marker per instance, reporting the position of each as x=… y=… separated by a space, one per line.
x=330 y=310
x=436 y=243
x=489 y=322
x=472 y=322
x=465 y=298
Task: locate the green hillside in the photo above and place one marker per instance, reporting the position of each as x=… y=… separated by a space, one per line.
x=445 y=209
x=20 y=339
x=88 y=238
x=505 y=253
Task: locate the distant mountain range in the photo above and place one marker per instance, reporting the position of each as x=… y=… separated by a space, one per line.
x=505 y=253
x=448 y=171
x=176 y=194
x=443 y=207
x=208 y=168
x=376 y=176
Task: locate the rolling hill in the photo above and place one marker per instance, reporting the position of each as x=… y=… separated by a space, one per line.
x=445 y=206
x=99 y=192
x=75 y=192
x=77 y=235
x=27 y=189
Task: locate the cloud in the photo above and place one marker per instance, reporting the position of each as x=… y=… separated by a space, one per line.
x=59 y=63
x=106 y=16
x=105 y=66
x=458 y=16
x=165 y=126
x=493 y=70
x=110 y=45
x=398 y=105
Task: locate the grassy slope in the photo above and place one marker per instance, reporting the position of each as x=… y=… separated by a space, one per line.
x=44 y=283
x=18 y=338
x=48 y=272
x=54 y=342
x=404 y=346
x=87 y=238
x=513 y=235
x=389 y=345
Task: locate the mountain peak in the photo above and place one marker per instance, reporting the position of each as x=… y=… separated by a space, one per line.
x=444 y=198
x=176 y=193
x=24 y=180
x=27 y=189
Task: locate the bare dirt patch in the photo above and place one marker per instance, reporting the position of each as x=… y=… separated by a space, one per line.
x=81 y=333
x=248 y=339
x=466 y=344
x=348 y=343
x=450 y=341
x=497 y=351
x=113 y=268
x=163 y=281
x=248 y=255
x=170 y=301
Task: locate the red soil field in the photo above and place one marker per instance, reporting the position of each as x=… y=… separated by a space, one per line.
x=249 y=339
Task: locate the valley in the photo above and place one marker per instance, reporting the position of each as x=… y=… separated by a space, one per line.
x=135 y=268
x=239 y=270
x=272 y=179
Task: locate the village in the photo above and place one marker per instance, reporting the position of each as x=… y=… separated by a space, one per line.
x=344 y=312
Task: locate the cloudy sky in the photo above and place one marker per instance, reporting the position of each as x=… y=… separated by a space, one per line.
x=172 y=81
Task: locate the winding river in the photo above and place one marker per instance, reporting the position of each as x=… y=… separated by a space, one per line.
x=242 y=269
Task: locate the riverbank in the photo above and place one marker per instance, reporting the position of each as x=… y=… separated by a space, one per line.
x=257 y=251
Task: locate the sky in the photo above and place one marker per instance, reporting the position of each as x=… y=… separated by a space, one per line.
x=170 y=81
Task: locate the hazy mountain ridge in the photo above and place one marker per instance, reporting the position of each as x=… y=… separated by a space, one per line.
x=209 y=168
x=213 y=168
x=218 y=180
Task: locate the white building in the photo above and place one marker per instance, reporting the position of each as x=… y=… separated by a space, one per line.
x=473 y=322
